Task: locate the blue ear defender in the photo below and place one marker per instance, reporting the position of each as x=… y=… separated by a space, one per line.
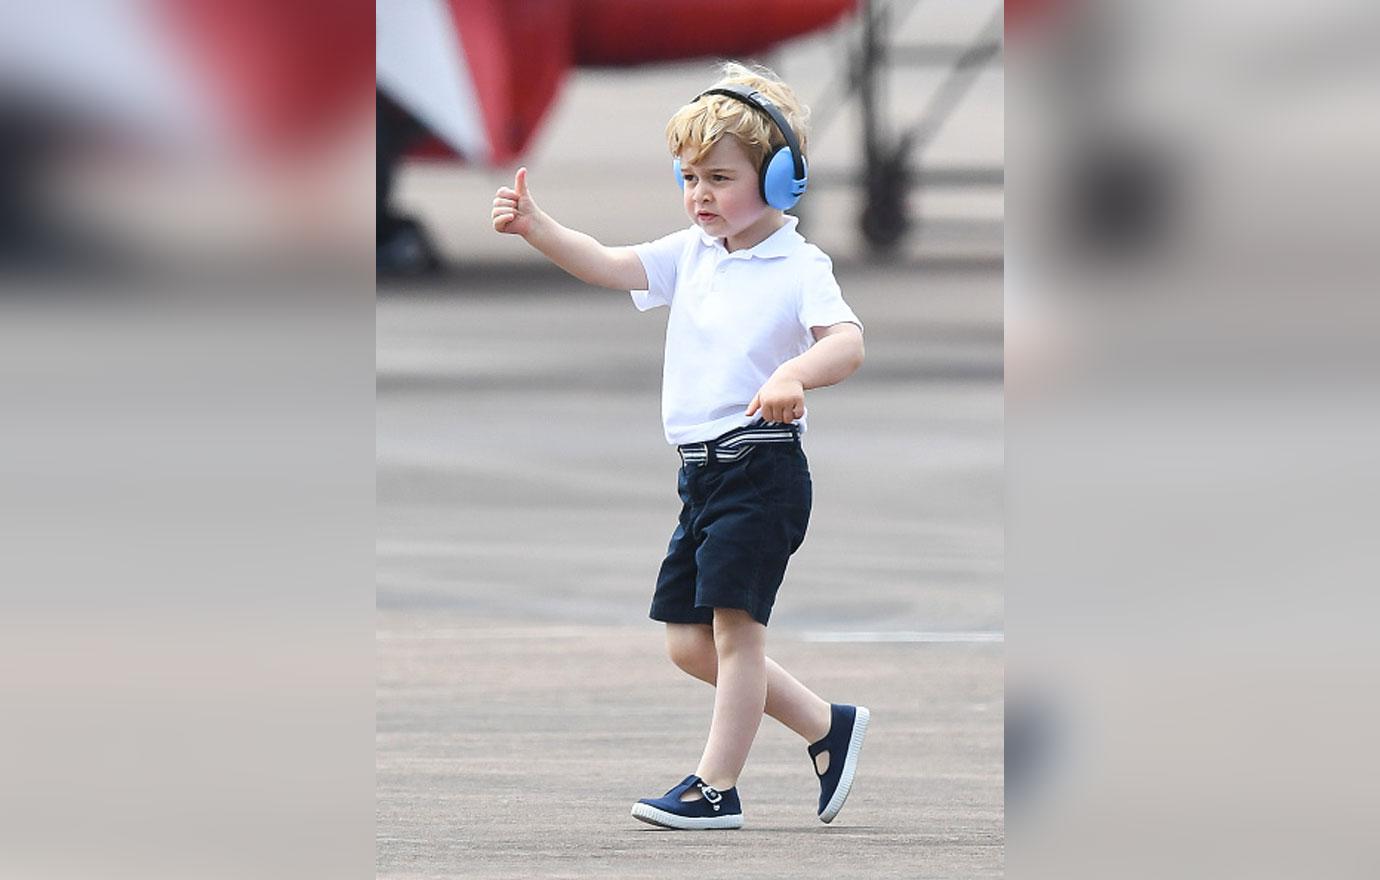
x=780 y=186
x=784 y=176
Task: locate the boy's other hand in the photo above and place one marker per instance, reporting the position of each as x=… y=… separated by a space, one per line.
x=514 y=210
x=780 y=400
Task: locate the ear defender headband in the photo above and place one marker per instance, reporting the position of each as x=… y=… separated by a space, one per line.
x=783 y=176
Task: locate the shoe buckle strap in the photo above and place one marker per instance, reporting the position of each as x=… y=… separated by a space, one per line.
x=711 y=795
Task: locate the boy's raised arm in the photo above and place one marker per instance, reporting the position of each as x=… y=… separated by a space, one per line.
x=516 y=213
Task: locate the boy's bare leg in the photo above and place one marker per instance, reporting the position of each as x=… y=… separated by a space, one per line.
x=740 y=696
x=691 y=646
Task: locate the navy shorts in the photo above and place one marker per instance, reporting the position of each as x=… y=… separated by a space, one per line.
x=740 y=521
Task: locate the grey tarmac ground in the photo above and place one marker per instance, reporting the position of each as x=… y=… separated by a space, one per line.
x=525 y=496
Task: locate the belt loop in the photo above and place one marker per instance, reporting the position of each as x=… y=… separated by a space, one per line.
x=709 y=456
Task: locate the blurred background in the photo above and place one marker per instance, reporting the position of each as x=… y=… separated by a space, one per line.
x=186 y=455
x=1190 y=315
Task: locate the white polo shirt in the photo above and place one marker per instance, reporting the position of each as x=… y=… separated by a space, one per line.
x=735 y=317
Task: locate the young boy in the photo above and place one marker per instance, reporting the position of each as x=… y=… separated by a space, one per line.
x=756 y=320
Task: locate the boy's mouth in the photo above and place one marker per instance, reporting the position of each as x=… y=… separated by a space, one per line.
x=706 y=216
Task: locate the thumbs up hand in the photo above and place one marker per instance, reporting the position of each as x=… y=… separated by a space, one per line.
x=514 y=210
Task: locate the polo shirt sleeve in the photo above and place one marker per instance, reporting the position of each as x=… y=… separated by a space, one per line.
x=821 y=300
x=660 y=259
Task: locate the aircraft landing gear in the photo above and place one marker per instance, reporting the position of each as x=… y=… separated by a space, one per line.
x=885 y=218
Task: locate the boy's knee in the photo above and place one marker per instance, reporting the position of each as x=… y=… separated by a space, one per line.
x=736 y=630
x=692 y=651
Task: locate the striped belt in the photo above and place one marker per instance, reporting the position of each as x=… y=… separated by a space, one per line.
x=736 y=444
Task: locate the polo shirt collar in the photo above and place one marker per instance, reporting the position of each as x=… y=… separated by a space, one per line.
x=779 y=244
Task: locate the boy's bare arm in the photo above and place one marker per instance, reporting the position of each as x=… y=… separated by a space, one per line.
x=836 y=355
x=516 y=213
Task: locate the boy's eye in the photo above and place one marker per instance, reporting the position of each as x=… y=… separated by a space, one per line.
x=720 y=177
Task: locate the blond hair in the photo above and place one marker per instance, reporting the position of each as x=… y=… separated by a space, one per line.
x=699 y=125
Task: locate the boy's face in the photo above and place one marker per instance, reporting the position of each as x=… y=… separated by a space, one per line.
x=723 y=197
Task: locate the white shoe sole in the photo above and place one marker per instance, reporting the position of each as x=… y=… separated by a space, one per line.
x=850 y=766
x=652 y=816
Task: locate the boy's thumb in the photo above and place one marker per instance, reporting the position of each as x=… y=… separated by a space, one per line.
x=520 y=182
